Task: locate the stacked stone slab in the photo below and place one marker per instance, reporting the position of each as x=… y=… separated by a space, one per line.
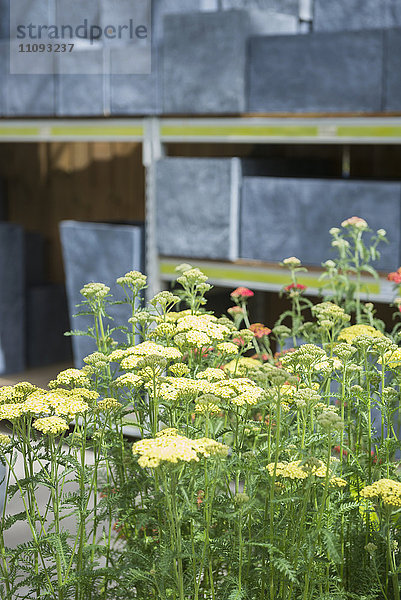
x=283 y=217
x=204 y=67
x=98 y=252
x=392 y=71
x=12 y=299
x=321 y=72
x=197 y=207
x=346 y=15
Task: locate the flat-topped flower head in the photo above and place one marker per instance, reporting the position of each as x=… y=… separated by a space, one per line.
x=395 y=276
x=259 y=330
x=350 y=333
x=70 y=378
x=95 y=291
x=384 y=490
x=5 y=440
x=134 y=279
x=51 y=425
x=356 y=222
x=211 y=374
x=295 y=288
x=241 y=293
x=108 y=404
x=170 y=447
x=391 y=358
x=292 y=261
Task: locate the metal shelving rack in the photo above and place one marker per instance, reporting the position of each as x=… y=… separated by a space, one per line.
x=154 y=132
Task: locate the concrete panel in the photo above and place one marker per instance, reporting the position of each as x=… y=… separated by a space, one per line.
x=12 y=299
x=98 y=252
x=197 y=207
x=346 y=15
x=392 y=71
x=322 y=72
x=204 y=62
x=291 y=217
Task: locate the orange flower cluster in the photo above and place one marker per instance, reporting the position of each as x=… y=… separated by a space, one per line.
x=395 y=276
x=260 y=330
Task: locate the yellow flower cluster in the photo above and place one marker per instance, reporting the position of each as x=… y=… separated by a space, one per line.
x=52 y=425
x=179 y=369
x=16 y=393
x=392 y=358
x=4 y=440
x=131 y=356
x=128 y=380
x=108 y=404
x=228 y=348
x=64 y=403
x=300 y=470
x=242 y=366
x=70 y=378
x=350 y=333
x=211 y=374
x=171 y=447
x=386 y=490
x=205 y=324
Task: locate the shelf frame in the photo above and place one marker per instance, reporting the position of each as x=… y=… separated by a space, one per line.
x=154 y=132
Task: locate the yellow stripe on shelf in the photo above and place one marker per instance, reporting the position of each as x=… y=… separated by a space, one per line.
x=242 y=131
x=19 y=131
x=384 y=131
x=85 y=130
x=255 y=276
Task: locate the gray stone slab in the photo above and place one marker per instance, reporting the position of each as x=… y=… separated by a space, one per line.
x=80 y=95
x=74 y=12
x=83 y=94
x=4 y=68
x=134 y=94
x=197 y=207
x=35 y=269
x=290 y=7
x=320 y=72
x=204 y=62
x=26 y=12
x=98 y=252
x=392 y=71
x=12 y=299
x=4 y=19
x=267 y=22
x=160 y=8
x=283 y=217
x=47 y=321
x=345 y=15
x=30 y=95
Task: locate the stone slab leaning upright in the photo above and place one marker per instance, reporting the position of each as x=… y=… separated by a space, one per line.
x=98 y=252
x=12 y=299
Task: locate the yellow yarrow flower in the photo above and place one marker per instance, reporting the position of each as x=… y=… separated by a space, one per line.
x=211 y=374
x=392 y=358
x=171 y=447
x=228 y=348
x=386 y=490
x=53 y=425
x=108 y=404
x=350 y=333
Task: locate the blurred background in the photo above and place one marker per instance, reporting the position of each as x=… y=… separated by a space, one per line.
x=262 y=124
